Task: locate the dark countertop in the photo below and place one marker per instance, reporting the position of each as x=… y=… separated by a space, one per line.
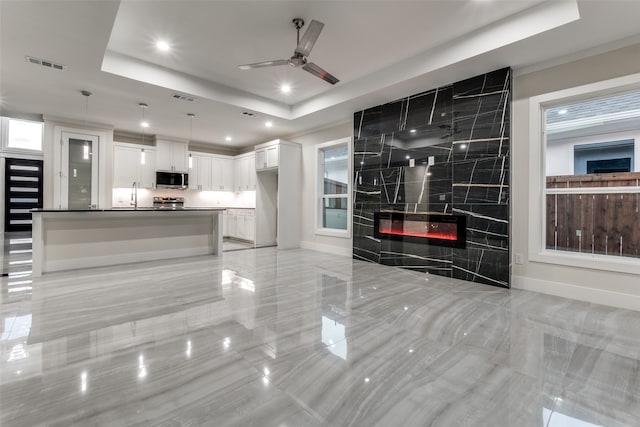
x=130 y=210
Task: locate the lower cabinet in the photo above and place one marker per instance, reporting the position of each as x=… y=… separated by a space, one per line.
x=239 y=224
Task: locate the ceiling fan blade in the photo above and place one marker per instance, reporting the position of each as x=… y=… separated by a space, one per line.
x=319 y=72
x=309 y=38
x=264 y=64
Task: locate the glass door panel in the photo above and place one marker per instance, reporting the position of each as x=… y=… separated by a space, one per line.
x=79 y=173
x=78 y=184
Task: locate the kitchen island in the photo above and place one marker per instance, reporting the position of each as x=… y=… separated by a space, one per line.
x=72 y=239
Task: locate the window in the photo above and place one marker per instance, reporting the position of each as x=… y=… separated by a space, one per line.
x=586 y=146
x=22 y=135
x=334 y=188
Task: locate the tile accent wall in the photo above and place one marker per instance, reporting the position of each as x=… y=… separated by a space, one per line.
x=442 y=151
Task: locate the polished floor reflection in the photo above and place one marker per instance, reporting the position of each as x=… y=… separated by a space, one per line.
x=300 y=338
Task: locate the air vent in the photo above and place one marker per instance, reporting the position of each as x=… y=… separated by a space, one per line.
x=182 y=97
x=46 y=63
x=248 y=114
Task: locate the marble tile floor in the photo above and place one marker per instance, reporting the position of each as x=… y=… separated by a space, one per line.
x=235 y=245
x=294 y=338
x=15 y=254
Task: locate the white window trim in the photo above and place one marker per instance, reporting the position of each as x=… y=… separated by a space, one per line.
x=4 y=137
x=319 y=230
x=537 y=178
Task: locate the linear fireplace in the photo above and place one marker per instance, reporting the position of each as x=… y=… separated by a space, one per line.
x=434 y=229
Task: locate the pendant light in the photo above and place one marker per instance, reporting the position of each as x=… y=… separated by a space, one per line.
x=85 y=149
x=144 y=125
x=191 y=116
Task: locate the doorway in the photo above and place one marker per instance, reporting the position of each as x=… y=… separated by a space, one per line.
x=78 y=170
x=23 y=192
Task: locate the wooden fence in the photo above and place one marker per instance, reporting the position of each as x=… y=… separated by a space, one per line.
x=583 y=216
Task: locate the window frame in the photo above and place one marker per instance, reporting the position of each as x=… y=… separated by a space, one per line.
x=4 y=136
x=537 y=250
x=319 y=193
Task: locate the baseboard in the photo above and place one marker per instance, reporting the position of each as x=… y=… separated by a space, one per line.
x=103 y=261
x=581 y=293
x=336 y=250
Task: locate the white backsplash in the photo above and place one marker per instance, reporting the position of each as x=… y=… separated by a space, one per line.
x=192 y=198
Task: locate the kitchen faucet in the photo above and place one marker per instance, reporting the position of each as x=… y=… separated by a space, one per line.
x=134 y=195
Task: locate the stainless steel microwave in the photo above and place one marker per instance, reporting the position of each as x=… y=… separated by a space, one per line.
x=172 y=180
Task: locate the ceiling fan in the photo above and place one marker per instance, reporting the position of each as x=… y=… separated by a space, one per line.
x=299 y=58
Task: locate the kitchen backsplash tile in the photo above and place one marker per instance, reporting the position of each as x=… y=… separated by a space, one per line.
x=192 y=198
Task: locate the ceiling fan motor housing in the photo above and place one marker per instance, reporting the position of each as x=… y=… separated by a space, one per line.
x=297 y=60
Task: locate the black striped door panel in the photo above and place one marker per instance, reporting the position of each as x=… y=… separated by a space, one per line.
x=22 y=192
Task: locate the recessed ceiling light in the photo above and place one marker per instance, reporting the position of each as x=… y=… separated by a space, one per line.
x=162 y=45
x=563 y=111
x=144 y=124
x=227 y=138
x=268 y=124
x=285 y=88
x=412 y=131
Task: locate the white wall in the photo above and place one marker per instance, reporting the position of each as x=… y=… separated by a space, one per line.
x=309 y=239
x=607 y=287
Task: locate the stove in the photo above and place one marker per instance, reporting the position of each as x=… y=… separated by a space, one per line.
x=173 y=203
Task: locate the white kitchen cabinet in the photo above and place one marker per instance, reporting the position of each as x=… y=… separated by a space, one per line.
x=210 y=172
x=240 y=227
x=245 y=173
x=232 y=224
x=239 y=181
x=241 y=224
x=267 y=155
x=147 y=168
x=128 y=166
x=171 y=156
x=278 y=194
x=202 y=173
x=251 y=171
x=249 y=226
x=227 y=174
x=217 y=174
x=222 y=173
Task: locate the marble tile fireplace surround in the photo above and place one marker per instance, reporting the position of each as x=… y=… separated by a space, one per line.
x=432 y=181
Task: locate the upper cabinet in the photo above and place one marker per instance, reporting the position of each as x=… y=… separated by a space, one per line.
x=200 y=172
x=171 y=156
x=210 y=172
x=133 y=163
x=245 y=172
x=267 y=155
x=221 y=173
